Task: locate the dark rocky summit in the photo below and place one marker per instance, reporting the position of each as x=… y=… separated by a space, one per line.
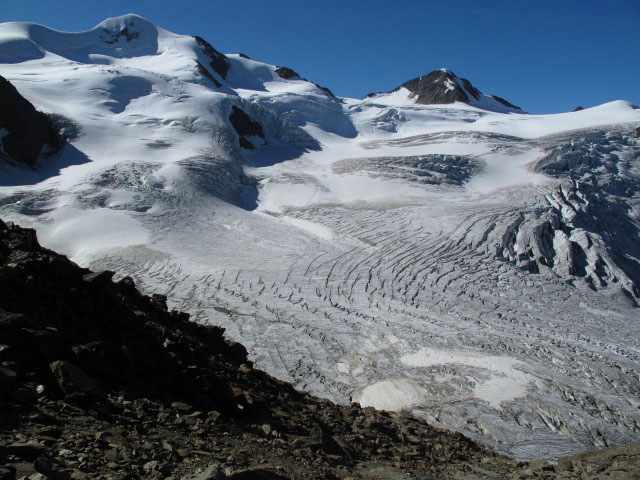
x=245 y=126
x=444 y=87
x=98 y=381
x=286 y=73
x=25 y=133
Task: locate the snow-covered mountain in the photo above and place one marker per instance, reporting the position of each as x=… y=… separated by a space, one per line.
x=472 y=263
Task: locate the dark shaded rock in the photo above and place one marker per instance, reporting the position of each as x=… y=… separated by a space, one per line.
x=328 y=442
x=26 y=451
x=159 y=300
x=245 y=126
x=28 y=132
x=66 y=128
x=237 y=351
x=578 y=108
x=24 y=396
x=286 y=73
x=505 y=103
x=218 y=61
x=43 y=465
x=7 y=473
x=182 y=407
x=256 y=474
x=71 y=379
x=246 y=144
x=99 y=278
x=6 y=352
x=50 y=431
x=325 y=90
x=470 y=89
x=444 y=87
x=110 y=37
x=205 y=73
x=244 y=56
x=638 y=132
x=84 y=318
x=7 y=379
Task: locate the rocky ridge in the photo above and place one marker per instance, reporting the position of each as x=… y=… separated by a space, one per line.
x=442 y=87
x=100 y=381
x=25 y=133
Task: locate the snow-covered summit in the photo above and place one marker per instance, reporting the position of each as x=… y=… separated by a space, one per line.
x=444 y=87
x=120 y=37
x=133 y=41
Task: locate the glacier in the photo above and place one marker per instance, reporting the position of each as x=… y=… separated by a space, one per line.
x=479 y=268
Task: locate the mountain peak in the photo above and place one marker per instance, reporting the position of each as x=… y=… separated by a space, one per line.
x=443 y=86
x=122 y=21
x=119 y=37
x=126 y=27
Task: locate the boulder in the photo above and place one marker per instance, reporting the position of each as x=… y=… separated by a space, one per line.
x=71 y=379
x=7 y=473
x=7 y=378
x=212 y=472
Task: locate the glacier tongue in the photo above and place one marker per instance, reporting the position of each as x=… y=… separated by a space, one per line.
x=480 y=269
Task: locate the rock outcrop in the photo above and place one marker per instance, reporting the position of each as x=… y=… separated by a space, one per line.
x=444 y=87
x=245 y=126
x=217 y=60
x=286 y=73
x=25 y=133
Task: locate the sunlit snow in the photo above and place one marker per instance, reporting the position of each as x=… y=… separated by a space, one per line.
x=477 y=268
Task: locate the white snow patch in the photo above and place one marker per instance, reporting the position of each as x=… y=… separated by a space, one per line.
x=503 y=170
x=506 y=383
x=82 y=234
x=311 y=227
x=392 y=395
x=449 y=84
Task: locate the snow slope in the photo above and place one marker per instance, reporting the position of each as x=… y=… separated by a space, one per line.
x=476 y=267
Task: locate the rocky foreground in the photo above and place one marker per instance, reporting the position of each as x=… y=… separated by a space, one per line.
x=98 y=381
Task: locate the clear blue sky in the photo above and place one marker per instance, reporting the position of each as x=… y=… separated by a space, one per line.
x=546 y=56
